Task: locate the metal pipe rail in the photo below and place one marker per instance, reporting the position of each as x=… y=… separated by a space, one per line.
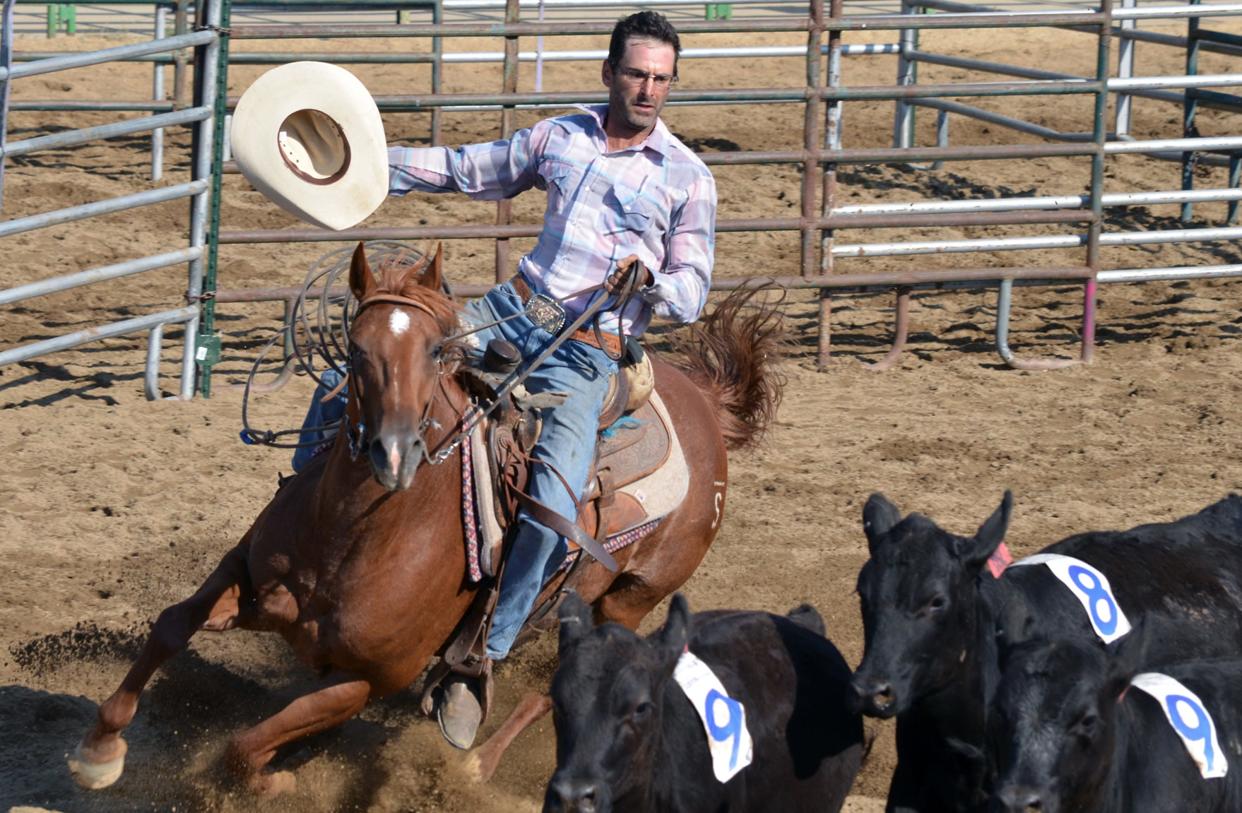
x=868 y=22
x=189 y=313
x=70 y=138
x=511 y=231
x=106 y=272
x=121 y=52
x=102 y=207
x=481 y=57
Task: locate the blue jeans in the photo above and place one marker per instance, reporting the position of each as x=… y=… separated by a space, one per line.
x=567 y=442
x=320 y=415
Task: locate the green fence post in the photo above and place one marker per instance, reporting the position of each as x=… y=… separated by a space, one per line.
x=53 y=19
x=69 y=16
x=207 y=336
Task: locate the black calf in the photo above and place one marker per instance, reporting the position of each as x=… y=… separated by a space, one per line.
x=936 y=624
x=1068 y=732
x=627 y=737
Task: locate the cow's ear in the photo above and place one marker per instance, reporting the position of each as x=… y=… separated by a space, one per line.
x=879 y=517
x=576 y=619
x=361 y=282
x=675 y=634
x=976 y=550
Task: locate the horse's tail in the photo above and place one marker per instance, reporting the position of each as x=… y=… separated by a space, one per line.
x=733 y=355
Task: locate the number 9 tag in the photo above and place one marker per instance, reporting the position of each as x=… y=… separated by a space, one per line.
x=1190 y=721
x=724 y=718
x=1092 y=590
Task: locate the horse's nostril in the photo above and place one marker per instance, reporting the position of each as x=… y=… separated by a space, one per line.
x=882 y=695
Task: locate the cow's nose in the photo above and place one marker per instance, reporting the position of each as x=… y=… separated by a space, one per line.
x=572 y=795
x=874 y=697
x=1021 y=799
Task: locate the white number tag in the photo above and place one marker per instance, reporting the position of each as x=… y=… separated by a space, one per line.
x=1091 y=588
x=724 y=719
x=1190 y=720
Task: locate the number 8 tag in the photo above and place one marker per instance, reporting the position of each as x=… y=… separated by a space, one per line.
x=724 y=718
x=1092 y=590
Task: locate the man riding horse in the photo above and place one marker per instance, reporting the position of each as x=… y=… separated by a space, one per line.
x=630 y=208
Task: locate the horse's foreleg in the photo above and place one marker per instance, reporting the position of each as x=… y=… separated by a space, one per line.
x=482 y=762
x=100 y=758
x=251 y=750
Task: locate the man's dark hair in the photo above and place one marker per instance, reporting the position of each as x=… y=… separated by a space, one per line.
x=647 y=25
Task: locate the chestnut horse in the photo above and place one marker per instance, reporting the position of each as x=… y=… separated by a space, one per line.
x=366 y=579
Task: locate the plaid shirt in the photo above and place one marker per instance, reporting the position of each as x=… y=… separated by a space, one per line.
x=656 y=200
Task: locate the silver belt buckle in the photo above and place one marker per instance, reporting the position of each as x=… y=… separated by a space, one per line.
x=546 y=312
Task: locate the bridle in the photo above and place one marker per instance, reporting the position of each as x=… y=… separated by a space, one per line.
x=356 y=432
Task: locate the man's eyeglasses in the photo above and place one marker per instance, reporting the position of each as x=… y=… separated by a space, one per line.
x=633 y=76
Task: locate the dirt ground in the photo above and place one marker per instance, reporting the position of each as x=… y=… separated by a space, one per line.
x=114 y=507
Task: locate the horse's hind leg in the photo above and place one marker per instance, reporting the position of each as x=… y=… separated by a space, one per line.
x=251 y=750
x=100 y=757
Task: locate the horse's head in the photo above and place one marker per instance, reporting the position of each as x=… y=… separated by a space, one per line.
x=395 y=371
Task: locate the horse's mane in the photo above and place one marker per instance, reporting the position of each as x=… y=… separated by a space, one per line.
x=405 y=275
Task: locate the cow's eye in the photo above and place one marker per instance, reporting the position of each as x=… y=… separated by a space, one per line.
x=1086 y=723
x=643 y=710
x=934 y=605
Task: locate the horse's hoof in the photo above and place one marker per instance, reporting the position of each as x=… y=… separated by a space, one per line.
x=474 y=769
x=479 y=766
x=268 y=785
x=94 y=774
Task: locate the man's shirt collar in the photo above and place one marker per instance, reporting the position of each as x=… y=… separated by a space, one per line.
x=657 y=139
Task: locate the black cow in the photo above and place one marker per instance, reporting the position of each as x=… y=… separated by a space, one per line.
x=1068 y=732
x=936 y=624
x=627 y=737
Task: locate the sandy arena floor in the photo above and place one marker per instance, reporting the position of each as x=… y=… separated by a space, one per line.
x=114 y=507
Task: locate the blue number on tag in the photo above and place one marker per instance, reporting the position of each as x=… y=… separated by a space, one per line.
x=1203 y=726
x=1096 y=595
x=731 y=728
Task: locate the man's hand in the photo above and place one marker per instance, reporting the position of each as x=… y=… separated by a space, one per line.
x=617 y=280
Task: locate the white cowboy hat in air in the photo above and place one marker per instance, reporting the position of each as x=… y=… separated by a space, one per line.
x=309 y=136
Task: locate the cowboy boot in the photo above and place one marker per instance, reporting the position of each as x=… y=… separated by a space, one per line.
x=460 y=710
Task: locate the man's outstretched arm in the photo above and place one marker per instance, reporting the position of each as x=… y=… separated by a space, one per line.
x=491 y=171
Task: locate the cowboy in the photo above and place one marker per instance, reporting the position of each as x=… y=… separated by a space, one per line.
x=619 y=184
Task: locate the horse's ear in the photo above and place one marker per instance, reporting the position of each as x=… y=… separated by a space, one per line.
x=361 y=281
x=433 y=274
x=576 y=619
x=674 y=636
x=879 y=517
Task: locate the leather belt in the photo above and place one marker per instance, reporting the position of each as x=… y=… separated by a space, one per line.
x=612 y=342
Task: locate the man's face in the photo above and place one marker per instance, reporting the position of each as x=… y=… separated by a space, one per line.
x=639 y=86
